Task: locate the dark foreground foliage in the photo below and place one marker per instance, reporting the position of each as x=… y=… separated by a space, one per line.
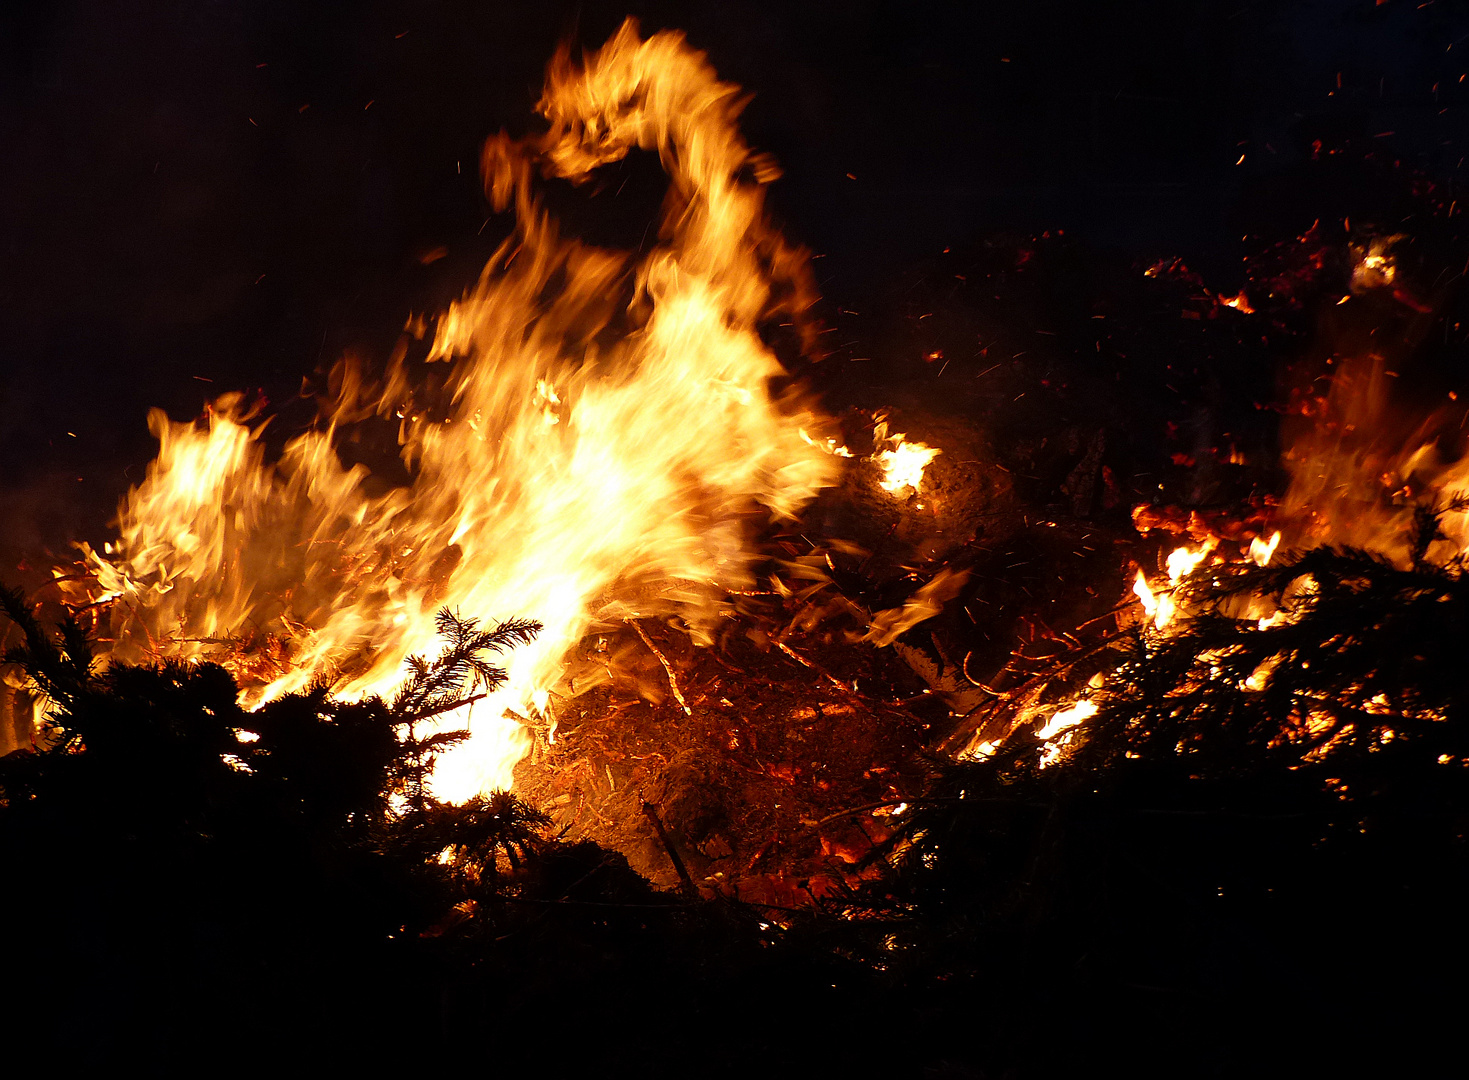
x=1225 y=877
x=185 y=901
x=1253 y=860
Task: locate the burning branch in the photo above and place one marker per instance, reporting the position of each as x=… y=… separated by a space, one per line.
x=667 y=667
x=828 y=676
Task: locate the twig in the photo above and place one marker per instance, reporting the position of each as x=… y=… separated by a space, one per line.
x=77 y=609
x=667 y=667
x=964 y=670
x=683 y=871
x=885 y=802
x=798 y=658
x=732 y=667
x=1118 y=610
x=914 y=800
x=448 y=708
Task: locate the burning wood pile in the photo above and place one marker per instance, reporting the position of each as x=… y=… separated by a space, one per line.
x=601 y=440
x=876 y=652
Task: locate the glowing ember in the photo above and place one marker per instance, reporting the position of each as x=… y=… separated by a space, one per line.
x=981 y=749
x=1375 y=267
x=564 y=474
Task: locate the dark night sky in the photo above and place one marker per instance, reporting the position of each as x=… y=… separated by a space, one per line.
x=194 y=189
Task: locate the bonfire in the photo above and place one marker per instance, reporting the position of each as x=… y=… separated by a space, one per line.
x=634 y=618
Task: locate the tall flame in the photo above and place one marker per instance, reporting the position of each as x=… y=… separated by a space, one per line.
x=604 y=428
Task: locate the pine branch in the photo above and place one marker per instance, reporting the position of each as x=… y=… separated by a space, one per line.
x=61 y=672
x=448 y=683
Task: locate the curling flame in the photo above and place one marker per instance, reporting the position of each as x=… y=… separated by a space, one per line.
x=604 y=428
x=826 y=446
x=1262 y=551
x=887 y=626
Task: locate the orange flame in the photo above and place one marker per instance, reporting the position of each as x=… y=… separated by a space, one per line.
x=1359 y=471
x=559 y=477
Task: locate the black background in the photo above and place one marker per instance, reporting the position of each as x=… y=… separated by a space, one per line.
x=197 y=196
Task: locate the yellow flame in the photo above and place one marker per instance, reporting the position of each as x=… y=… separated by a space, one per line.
x=1260 y=678
x=903 y=462
x=1183 y=561
x=558 y=476
x=1061 y=722
x=979 y=750
x=828 y=445
x=1262 y=551
x=926 y=602
x=1159 y=607
x=1144 y=592
x=1067 y=718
